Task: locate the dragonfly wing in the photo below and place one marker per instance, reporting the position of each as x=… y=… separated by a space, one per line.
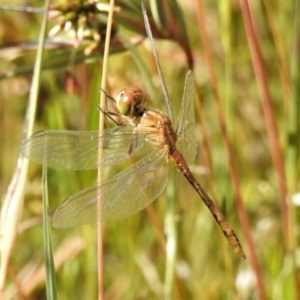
x=186 y=124
x=161 y=78
x=120 y=196
x=78 y=150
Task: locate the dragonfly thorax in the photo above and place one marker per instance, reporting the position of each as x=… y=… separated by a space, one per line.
x=158 y=129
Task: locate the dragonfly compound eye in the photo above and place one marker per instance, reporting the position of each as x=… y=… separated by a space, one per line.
x=128 y=99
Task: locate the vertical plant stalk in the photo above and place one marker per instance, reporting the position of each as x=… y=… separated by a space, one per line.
x=100 y=151
x=48 y=253
x=293 y=151
x=233 y=170
x=294 y=108
x=262 y=80
x=283 y=69
x=171 y=234
x=49 y=261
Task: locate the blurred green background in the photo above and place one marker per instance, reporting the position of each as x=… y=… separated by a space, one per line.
x=134 y=262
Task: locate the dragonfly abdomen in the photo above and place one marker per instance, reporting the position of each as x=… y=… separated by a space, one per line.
x=178 y=160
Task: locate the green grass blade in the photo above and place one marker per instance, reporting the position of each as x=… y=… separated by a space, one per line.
x=140 y=63
x=171 y=235
x=49 y=262
x=12 y=207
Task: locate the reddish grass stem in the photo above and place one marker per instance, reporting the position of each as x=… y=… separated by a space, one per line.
x=100 y=152
x=233 y=170
x=262 y=80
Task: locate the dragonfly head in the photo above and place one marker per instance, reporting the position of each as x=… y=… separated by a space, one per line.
x=128 y=100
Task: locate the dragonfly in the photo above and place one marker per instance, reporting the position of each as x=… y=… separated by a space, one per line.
x=143 y=132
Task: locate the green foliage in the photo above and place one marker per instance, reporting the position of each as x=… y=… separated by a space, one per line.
x=134 y=254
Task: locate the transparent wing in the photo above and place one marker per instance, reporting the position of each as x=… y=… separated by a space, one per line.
x=161 y=78
x=120 y=196
x=78 y=150
x=185 y=130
